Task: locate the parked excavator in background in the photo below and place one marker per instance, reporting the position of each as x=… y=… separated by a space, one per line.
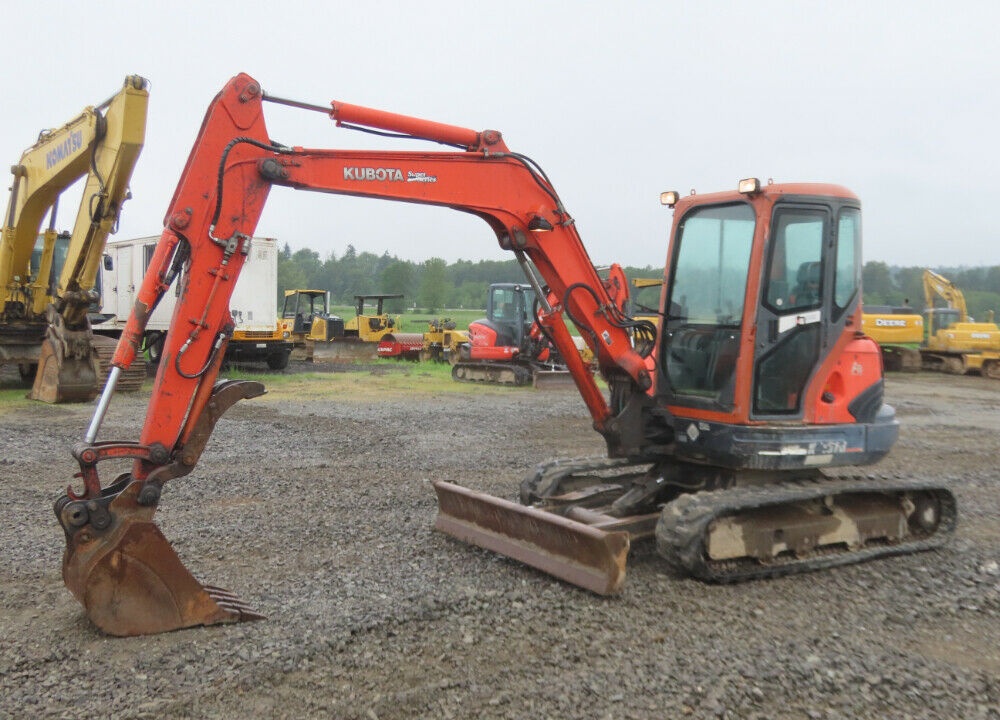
x=44 y=326
x=955 y=343
x=718 y=429
x=508 y=346
x=899 y=332
x=644 y=299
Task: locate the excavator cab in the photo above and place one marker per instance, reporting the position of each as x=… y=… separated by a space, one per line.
x=302 y=307
x=508 y=310
x=756 y=326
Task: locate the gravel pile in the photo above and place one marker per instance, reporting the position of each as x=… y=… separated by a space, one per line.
x=319 y=515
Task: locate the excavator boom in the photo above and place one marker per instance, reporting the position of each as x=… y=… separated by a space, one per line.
x=938 y=286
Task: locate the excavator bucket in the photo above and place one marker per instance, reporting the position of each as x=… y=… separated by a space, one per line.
x=65 y=376
x=127 y=575
x=573 y=551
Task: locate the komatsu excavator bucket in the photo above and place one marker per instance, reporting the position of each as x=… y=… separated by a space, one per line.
x=576 y=552
x=126 y=574
x=68 y=369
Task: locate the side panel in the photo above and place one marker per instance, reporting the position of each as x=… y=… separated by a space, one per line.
x=254 y=303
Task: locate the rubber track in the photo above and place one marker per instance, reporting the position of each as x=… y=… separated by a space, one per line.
x=683 y=524
x=561 y=468
x=518 y=374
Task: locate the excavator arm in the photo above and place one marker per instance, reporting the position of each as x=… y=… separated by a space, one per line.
x=56 y=161
x=112 y=162
x=936 y=285
x=102 y=144
x=112 y=545
x=226 y=183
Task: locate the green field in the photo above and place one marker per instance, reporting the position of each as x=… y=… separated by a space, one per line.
x=376 y=379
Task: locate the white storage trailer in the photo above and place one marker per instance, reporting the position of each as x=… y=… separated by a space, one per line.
x=254 y=303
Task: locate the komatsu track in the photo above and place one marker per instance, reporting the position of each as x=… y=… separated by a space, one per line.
x=131 y=379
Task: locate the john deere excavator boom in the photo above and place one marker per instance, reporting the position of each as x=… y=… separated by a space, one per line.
x=43 y=317
x=129 y=579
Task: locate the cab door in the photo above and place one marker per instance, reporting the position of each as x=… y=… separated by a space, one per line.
x=811 y=278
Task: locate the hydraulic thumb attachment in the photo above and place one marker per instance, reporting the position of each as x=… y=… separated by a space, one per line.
x=117 y=562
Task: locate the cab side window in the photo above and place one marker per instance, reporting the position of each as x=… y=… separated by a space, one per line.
x=847 y=279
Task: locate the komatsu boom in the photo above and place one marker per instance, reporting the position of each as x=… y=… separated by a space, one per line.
x=720 y=425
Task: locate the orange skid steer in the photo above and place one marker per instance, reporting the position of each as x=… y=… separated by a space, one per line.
x=718 y=427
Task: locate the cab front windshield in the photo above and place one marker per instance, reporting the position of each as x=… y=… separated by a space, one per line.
x=60 y=250
x=708 y=286
x=304 y=304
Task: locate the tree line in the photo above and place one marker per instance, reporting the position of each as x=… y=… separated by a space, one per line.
x=888 y=285
x=435 y=284
x=431 y=285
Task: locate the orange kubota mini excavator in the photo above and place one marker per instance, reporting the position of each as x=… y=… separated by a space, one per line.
x=717 y=428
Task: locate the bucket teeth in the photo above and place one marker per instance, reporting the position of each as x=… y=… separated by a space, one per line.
x=231 y=602
x=218 y=593
x=130 y=580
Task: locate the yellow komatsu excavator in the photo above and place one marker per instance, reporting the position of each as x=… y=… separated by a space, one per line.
x=43 y=307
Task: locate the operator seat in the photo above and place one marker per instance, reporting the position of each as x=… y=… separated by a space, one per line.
x=807 y=279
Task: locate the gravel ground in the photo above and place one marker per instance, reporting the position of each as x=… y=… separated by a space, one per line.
x=319 y=514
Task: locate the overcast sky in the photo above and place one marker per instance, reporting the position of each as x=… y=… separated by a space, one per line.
x=616 y=101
